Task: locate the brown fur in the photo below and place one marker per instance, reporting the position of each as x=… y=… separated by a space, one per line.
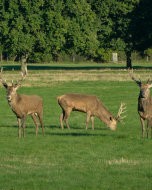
x=144 y=106
x=88 y=104
x=23 y=105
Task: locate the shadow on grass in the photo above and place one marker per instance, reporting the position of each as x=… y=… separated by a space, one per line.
x=73 y=67
x=87 y=134
x=76 y=127
x=73 y=132
x=76 y=134
x=8 y=126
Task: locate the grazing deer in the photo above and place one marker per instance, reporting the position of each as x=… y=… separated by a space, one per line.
x=23 y=105
x=88 y=104
x=144 y=105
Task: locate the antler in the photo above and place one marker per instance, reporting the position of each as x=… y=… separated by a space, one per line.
x=1 y=79
x=1 y=73
x=18 y=82
x=23 y=77
x=121 y=110
x=149 y=81
x=133 y=78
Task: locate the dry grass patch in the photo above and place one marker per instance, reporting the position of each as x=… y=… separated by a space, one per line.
x=122 y=161
x=53 y=77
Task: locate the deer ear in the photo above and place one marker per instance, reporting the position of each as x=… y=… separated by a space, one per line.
x=5 y=85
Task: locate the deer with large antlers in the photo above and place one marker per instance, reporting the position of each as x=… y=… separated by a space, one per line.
x=90 y=105
x=144 y=104
x=23 y=105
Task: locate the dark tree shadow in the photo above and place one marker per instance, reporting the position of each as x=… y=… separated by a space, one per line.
x=77 y=67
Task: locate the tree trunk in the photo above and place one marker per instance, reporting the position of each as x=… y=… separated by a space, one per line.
x=1 y=57
x=128 y=62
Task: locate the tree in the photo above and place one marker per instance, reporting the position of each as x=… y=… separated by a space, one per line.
x=81 y=36
x=55 y=27
x=47 y=29
x=115 y=17
x=141 y=25
x=122 y=17
x=102 y=8
x=19 y=27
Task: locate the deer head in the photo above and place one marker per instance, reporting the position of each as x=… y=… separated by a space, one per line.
x=119 y=118
x=144 y=87
x=11 y=89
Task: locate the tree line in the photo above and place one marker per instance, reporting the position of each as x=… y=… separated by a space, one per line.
x=48 y=30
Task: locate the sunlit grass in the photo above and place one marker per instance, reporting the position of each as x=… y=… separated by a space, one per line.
x=75 y=158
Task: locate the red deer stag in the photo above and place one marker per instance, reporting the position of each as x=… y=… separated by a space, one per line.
x=144 y=104
x=23 y=105
x=88 y=104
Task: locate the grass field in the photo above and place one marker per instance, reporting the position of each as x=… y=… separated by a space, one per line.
x=75 y=159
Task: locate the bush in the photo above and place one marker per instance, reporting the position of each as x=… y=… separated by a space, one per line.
x=103 y=55
x=148 y=53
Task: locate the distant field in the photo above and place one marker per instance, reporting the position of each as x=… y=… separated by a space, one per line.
x=75 y=159
x=52 y=74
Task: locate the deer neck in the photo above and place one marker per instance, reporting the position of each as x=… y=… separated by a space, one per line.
x=144 y=101
x=143 y=106
x=104 y=115
x=13 y=100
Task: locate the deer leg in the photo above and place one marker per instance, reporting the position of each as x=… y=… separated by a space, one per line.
x=66 y=116
x=19 y=127
x=35 y=122
x=23 y=125
x=41 y=122
x=142 y=126
x=61 y=119
x=148 y=125
x=87 y=120
x=92 y=120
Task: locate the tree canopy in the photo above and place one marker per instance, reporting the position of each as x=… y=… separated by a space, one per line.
x=141 y=25
x=48 y=29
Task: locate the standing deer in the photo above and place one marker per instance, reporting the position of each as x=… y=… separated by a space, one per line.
x=144 y=105
x=23 y=105
x=88 y=104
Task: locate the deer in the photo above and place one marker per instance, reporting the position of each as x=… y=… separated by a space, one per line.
x=92 y=106
x=23 y=105
x=144 y=104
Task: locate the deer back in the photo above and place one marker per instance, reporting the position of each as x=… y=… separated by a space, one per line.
x=79 y=102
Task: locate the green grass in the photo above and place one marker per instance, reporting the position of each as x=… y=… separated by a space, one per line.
x=76 y=159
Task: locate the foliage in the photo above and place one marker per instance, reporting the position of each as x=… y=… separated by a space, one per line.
x=48 y=27
x=47 y=30
x=141 y=25
x=115 y=18
x=103 y=55
x=148 y=52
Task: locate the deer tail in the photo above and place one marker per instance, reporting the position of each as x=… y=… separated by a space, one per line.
x=59 y=98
